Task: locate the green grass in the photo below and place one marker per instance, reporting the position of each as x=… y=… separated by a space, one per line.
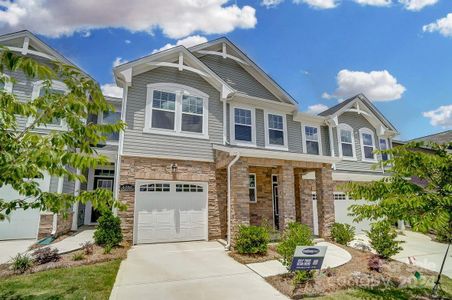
x=85 y=282
x=406 y=293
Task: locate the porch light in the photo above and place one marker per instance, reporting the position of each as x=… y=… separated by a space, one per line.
x=174 y=168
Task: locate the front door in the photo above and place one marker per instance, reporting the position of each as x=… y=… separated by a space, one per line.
x=275 y=201
x=100 y=183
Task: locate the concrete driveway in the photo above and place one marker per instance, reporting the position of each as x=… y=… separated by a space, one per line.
x=9 y=249
x=192 y=270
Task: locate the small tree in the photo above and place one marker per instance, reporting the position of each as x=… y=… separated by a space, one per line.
x=418 y=190
x=27 y=155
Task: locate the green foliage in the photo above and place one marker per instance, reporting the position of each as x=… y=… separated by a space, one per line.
x=419 y=190
x=294 y=235
x=108 y=232
x=252 y=240
x=27 y=155
x=87 y=247
x=342 y=233
x=302 y=277
x=107 y=249
x=382 y=239
x=444 y=235
x=21 y=263
x=45 y=255
x=78 y=256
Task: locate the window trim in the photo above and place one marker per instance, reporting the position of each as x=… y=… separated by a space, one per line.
x=232 y=125
x=387 y=146
x=100 y=120
x=179 y=90
x=303 y=137
x=347 y=127
x=267 y=133
x=56 y=85
x=255 y=187
x=367 y=131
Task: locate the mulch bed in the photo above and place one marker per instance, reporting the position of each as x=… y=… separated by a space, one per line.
x=249 y=259
x=66 y=260
x=355 y=273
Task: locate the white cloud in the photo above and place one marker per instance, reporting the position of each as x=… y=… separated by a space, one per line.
x=187 y=42
x=316 y=109
x=176 y=18
x=271 y=3
x=443 y=26
x=376 y=85
x=381 y=3
x=442 y=116
x=127 y=41
x=319 y=4
x=119 y=61
x=417 y=5
x=110 y=89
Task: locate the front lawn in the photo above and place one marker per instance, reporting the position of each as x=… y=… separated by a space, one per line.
x=84 y=282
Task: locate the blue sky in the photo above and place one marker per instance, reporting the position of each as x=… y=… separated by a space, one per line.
x=319 y=53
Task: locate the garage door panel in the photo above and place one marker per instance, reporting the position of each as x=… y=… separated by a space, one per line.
x=178 y=214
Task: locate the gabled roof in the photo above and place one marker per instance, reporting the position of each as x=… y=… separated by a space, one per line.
x=26 y=42
x=229 y=50
x=344 y=105
x=439 y=138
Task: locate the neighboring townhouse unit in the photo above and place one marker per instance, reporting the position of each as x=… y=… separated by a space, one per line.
x=32 y=223
x=213 y=142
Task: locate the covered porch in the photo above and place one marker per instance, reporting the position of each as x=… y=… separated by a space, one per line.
x=265 y=187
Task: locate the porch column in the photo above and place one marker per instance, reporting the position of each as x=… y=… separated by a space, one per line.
x=286 y=195
x=305 y=188
x=240 y=206
x=325 y=201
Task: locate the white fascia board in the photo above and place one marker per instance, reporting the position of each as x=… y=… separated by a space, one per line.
x=342 y=176
x=308 y=118
x=263 y=103
x=283 y=155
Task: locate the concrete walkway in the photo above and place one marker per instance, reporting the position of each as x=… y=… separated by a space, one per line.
x=72 y=243
x=192 y=270
x=335 y=256
x=9 y=249
x=421 y=250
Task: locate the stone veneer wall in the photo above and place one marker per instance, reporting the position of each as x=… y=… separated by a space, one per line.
x=64 y=224
x=262 y=210
x=141 y=168
x=222 y=194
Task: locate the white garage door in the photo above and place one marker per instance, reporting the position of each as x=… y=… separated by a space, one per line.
x=170 y=211
x=22 y=224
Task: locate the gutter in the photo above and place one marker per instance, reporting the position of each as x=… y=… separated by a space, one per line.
x=236 y=158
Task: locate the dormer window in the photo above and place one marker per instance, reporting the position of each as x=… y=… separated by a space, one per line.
x=243 y=126
x=174 y=109
x=311 y=140
x=367 y=144
x=275 y=131
x=346 y=141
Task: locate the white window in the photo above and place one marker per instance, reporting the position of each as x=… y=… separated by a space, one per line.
x=110 y=117
x=175 y=109
x=367 y=144
x=252 y=187
x=243 y=130
x=311 y=140
x=275 y=131
x=339 y=196
x=346 y=142
x=40 y=90
x=384 y=146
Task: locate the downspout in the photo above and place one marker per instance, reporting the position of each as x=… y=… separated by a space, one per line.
x=225 y=125
x=236 y=158
x=333 y=154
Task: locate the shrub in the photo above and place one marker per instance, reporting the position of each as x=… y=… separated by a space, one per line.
x=382 y=239
x=45 y=255
x=375 y=263
x=294 y=235
x=107 y=249
x=342 y=233
x=21 y=263
x=87 y=247
x=108 y=232
x=252 y=240
x=443 y=235
x=78 y=256
x=302 y=277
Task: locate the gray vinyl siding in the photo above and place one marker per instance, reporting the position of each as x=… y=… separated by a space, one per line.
x=136 y=142
x=294 y=140
x=260 y=128
x=325 y=139
x=69 y=186
x=356 y=122
x=237 y=77
x=53 y=184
